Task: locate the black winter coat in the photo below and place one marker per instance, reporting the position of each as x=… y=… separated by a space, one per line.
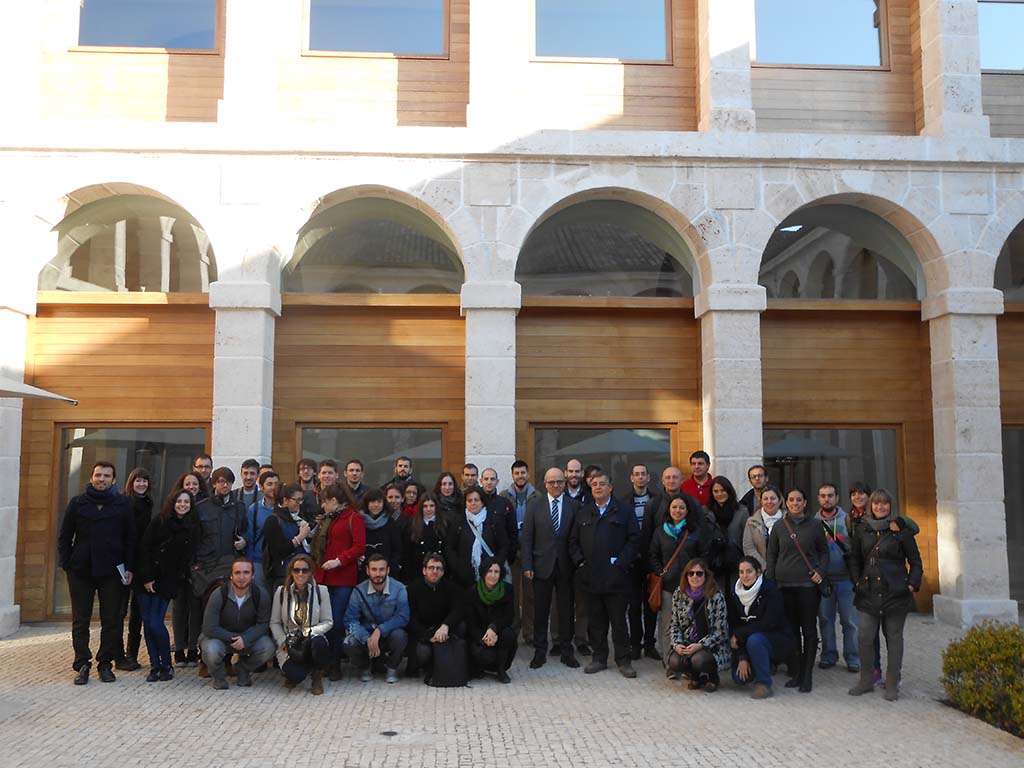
x=655 y=514
x=595 y=540
x=663 y=545
x=767 y=615
x=430 y=607
x=882 y=576
x=460 y=545
x=97 y=534
x=480 y=617
x=499 y=505
x=415 y=548
x=388 y=541
x=142 y=513
x=165 y=555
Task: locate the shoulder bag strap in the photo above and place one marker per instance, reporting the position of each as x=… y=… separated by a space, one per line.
x=796 y=542
x=479 y=535
x=678 y=549
x=366 y=602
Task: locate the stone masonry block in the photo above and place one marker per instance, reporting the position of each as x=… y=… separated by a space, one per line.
x=491 y=381
x=244 y=333
x=967 y=192
x=490 y=333
x=490 y=183
x=735 y=188
x=243 y=381
x=490 y=429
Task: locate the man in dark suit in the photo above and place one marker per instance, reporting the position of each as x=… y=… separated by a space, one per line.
x=603 y=546
x=545 y=555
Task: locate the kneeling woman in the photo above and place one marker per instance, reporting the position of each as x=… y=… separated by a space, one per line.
x=490 y=612
x=302 y=608
x=760 y=631
x=699 y=629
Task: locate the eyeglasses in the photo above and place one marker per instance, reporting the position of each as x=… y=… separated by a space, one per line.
x=554 y=482
x=300 y=570
x=297 y=500
x=435 y=567
x=699 y=574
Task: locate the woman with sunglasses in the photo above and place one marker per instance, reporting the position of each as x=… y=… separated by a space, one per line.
x=699 y=629
x=302 y=610
x=285 y=534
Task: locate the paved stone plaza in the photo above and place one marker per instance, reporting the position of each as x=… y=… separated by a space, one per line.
x=554 y=716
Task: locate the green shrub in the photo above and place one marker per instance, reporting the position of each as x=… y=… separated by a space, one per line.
x=983 y=674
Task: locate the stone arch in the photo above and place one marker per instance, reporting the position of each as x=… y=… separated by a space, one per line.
x=676 y=225
x=1007 y=223
x=88 y=211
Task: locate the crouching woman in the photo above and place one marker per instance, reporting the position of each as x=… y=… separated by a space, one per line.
x=299 y=621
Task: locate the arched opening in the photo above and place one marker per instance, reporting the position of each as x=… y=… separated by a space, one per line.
x=1010 y=266
x=372 y=245
x=605 y=248
x=837 y=250
x=132 y=241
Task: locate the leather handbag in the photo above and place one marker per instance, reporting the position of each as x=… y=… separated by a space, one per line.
x=825 y=587
x=654 y=580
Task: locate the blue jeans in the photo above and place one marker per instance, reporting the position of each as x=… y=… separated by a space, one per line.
x=339 y=602
x=158 y=641
x=841 y=598
x=762 y=651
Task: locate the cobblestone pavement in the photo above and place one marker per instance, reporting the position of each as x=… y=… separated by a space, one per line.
x=552 y=716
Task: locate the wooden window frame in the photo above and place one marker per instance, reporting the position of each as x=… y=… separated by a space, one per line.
x=216 y=50
x=533 y=426
x=884 y=51
x=1019 y=72
x=56 y=429
x=316 y=53
x=668 y=61
x=845 y=305
x=142 y=298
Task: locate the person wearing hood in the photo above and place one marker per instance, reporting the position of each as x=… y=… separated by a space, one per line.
x=760 y=633
x=476 y=535
x=138 y=489
x=886 y=569
x=795 y=541
x=96 y=549
x=759 y=525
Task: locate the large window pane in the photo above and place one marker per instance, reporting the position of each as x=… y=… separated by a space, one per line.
x=614 y=449
x=377 y=26
x=1000 y=28
x=602 y=29
x=148 y=23
x=812 y=32
x=1013 y=480
x=377 y=448
x=165 y=452
x=806 y=458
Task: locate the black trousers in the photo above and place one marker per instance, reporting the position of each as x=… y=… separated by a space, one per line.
x=801 y=605
x=131 y=609
x=643 y=622
x=560 y=583
x=83 y=589
x=318 y=656
x=186 y=619
x=604 y=609
x=699 y=666
x=497 y=657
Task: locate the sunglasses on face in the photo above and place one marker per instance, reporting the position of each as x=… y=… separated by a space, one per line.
x=300 y=570
x=696 y=573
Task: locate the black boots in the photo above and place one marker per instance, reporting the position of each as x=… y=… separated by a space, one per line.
x=82 y=675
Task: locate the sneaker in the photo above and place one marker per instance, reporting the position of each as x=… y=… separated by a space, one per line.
x=192 y=658
x=82 y=675
x=627 y=671
x=761 y=691
x=179 y=659
x=166 y=674
x=107 y=674
x=392 y=676
x=365 y=675
x=153 y=676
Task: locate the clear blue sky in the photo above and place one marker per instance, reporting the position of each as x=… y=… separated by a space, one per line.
x=612 y=29
x=1001 y=28
x=148 y=23
x=817 y=32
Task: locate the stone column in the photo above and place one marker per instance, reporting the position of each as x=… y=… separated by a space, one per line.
x=725 y=41
x=253 y=34
x=951 y=69
x=973 y=569
x=730 y=323
x=243 y=371
x=490 y=311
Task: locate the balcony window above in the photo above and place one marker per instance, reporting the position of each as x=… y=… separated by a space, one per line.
x=629 y=30
x=1000 y=25
x=399 y=27
x=840 y=33
x=174 y=24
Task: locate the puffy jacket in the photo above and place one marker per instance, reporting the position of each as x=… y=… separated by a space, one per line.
x=883 y=566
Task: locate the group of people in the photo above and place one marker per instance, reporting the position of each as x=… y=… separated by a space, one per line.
x=306 y=575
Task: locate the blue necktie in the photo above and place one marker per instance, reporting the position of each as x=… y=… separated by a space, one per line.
x=554 y=515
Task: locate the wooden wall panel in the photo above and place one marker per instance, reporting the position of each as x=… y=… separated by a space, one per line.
x=124 y=364
x=839 y=100
x=361 y=366
x=1011 y=367
x=633 y=367
x=381 y=90
x=1002 y=99
x=859 y=370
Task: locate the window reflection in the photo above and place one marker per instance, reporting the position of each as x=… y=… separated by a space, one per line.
x=1013 y=458
x=1000 y=26
x=377 y=26
x=613 y=449
x=605 y=29
x=1010 y=266
x=811 y=32
x=185 y=24
x=377 y=448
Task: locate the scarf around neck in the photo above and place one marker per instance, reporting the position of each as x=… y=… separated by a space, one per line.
x=770 y=520
x=477 y=521
x=674 y=530
x=101 y=497
x=490 y=596
x=878 y=525
x=747 y=595
x=375 y=523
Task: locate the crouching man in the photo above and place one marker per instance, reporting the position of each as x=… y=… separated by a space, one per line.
x=376 y=618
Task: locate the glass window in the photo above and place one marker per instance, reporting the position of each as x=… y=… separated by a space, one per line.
x=165 y=451
x=615 y=449
x=603 y=29
x=1010 y=266
x=377 y=448
x=810 y=32
x=1013 y=480
x=130 y=243
x=372 y=245
x=839 y=252
x=148 y=23
x=378 y=26
x=604 y=248
x=806 y=458
x=1000 y=26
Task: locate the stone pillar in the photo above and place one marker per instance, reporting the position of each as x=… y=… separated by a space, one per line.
x=973 y=569
x=951 y=69
x=12 y=367
x=730 y=324
x=253 y=35
x=490 y=311
x=243 y=371
x=725 y=41
x=500 y=46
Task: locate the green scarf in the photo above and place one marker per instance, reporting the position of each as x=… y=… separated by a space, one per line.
x=490 y=596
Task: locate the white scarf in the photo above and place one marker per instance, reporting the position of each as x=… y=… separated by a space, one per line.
x=770 y=520
x=477 y=521
x=748 y=596
x=298 y=521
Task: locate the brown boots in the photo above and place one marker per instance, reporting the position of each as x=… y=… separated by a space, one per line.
x=318 y=683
